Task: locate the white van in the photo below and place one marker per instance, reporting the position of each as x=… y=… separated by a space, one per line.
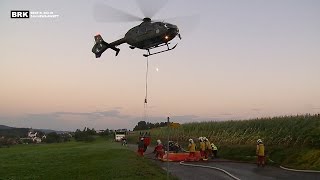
x=118 y=135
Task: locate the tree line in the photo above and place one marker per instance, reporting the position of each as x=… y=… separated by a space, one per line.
x=143 y=125
x=88 y=134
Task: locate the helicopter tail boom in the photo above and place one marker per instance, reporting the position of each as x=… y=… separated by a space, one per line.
x=100 y=46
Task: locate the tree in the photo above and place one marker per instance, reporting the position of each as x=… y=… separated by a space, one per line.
x=53 y=137
x=105 y=133
x=85 y=135
x=142 y=125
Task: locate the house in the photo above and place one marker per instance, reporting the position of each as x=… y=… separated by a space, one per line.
x=33 y=136
x=37 y=140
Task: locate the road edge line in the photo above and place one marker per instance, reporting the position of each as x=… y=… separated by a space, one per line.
x=211 y=167
x=298 y=170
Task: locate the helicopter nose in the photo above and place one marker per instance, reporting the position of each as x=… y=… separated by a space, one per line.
x=171 y=26
x=174 y=30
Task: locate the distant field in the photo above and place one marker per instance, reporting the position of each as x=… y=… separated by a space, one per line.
x=290 y=140
x=101 y=159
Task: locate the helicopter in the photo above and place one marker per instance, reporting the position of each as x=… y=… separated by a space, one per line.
x=147 y=35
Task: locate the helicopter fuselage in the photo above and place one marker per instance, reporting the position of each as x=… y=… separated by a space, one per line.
x=151 y=34
x=147 y=35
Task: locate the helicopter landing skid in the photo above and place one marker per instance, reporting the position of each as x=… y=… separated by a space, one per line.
x=150 y=54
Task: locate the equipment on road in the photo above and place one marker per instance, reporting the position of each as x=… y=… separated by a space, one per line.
x=174 y=147
x=181 y=156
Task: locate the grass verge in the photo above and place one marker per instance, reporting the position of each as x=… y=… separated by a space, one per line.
x=101 y=159
x=297 y=158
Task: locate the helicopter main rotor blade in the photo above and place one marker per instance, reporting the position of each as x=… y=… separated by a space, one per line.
x=106 y=13
x=186 y=24
x=150 y=8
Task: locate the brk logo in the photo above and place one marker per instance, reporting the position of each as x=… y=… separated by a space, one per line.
x=20 y=14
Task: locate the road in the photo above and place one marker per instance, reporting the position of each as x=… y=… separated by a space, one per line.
x=244 y=171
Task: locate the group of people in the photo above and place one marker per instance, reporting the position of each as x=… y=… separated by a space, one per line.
x=206 y=148
x=141 y=147
x=145 y=140
x=159 y=150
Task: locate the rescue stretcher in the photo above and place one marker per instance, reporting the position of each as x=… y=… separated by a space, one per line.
x=181 y=156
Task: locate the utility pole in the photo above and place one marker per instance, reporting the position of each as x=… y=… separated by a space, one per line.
x=168 y=126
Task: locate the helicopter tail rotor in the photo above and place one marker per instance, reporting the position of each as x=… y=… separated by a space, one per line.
x=100 y=46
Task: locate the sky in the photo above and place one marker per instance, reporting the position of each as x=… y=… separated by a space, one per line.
x=236 y=60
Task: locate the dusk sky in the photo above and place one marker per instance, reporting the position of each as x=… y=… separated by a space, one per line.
x=236 y=60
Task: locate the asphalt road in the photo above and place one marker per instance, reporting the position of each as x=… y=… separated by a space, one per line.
x=244 y=171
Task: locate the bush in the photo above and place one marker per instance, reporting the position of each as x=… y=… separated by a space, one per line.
x=85 y=135
x=53 y=137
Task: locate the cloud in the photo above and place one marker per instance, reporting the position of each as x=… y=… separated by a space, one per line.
x=112 y=113
x=179 y=119
x=225 y=114
x=111 y=119
x=94 y=115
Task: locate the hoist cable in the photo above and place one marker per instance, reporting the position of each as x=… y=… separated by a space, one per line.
x=146 y=96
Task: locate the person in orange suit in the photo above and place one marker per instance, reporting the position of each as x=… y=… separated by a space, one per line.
x=260 y=153
x=208 y=148
x=141 y=147
x=192 y=149
x=202 y=147
x=159 y=150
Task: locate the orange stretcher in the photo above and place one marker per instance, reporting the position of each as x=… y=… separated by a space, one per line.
x=183 y=156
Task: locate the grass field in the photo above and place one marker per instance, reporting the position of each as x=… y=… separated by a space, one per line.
x=101 y=159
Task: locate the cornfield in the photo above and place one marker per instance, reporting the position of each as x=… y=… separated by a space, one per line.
x=300 y=130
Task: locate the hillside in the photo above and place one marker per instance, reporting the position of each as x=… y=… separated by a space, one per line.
x=14 y=132
x=22 y=132
x=5 y=127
